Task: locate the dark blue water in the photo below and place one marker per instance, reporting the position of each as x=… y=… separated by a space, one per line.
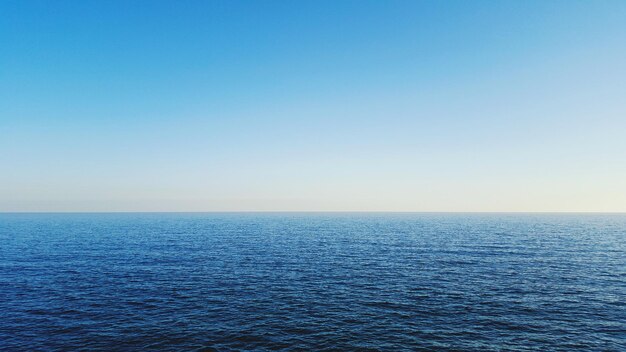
x=316 y=282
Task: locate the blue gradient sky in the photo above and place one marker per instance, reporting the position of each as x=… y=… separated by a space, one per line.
x=312 y=105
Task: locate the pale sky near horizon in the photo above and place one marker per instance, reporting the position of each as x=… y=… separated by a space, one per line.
x=313 y=105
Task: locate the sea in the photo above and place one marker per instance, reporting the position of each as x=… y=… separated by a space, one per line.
x=312 y=282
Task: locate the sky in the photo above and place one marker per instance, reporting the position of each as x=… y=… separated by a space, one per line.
x=313 y=105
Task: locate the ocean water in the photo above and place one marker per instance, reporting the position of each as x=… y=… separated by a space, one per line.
x=312 y=282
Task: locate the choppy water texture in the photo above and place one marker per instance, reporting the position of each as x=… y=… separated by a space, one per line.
x=316 y=282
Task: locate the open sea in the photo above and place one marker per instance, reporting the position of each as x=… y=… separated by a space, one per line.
x=312 y=282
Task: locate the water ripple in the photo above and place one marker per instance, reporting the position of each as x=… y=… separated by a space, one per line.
x=317 y=282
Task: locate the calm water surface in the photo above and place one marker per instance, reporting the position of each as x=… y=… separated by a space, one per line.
x=316 y=282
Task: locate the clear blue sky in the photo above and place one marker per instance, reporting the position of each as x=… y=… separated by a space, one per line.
x=312 y=105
